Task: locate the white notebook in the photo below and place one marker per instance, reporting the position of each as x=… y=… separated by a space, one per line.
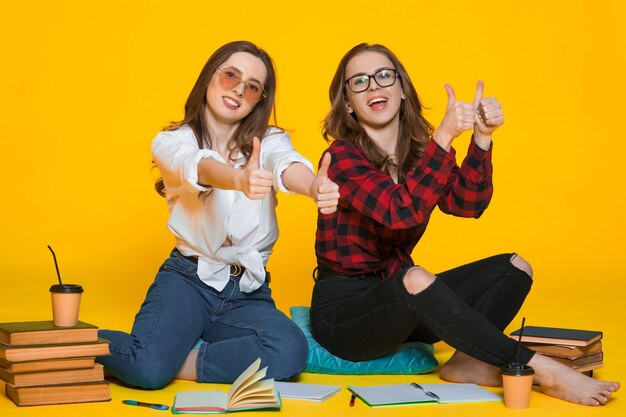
x=306 y=392
x=405 y=394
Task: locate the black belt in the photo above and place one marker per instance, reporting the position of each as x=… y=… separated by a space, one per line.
x=322 y=273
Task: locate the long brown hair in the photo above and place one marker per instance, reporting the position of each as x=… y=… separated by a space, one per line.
x=414 y=131
x=254 y=124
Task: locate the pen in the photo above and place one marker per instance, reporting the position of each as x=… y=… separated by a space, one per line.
x=149 y=405
x=429 y=393
x=352 y=398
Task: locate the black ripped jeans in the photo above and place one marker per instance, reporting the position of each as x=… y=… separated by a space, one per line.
x=467 y=307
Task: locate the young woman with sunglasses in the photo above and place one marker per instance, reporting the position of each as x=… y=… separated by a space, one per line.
x=221 y=166
x=393 y=169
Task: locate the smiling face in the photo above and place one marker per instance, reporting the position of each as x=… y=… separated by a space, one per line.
x=231 y=105
x=376 y=107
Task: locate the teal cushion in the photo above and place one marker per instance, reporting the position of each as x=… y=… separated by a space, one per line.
x=410 y=358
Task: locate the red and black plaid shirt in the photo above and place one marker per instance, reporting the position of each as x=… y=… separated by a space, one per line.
x=378 y=222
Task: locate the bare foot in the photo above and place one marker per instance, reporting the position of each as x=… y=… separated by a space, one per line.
x=463 y=368
x=563 y=382
x=188 y=370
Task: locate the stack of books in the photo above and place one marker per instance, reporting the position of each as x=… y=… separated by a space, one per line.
x=578 y=349
x=43 y=364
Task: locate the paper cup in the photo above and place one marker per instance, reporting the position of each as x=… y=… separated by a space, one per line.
x=517 y=380
x=65 y=304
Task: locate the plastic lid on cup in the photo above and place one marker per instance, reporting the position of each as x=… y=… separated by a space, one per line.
x=517 y=369
x=67 y=288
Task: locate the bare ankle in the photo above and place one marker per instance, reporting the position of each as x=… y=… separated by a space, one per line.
x=462 y=368
x=188 y=369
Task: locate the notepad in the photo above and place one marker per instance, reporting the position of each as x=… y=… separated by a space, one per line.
x=306 y=392
x=413 y=393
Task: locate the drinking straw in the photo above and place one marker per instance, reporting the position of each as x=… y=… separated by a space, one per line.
x=56 y=265
x=519 y=342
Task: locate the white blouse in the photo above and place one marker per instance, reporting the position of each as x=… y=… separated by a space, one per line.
x=201 y=223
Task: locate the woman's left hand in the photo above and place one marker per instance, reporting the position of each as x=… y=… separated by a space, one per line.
x=324 y=192
x=489 y=115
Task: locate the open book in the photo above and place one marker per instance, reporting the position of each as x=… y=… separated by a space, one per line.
x=248 y=392
x=406 y=394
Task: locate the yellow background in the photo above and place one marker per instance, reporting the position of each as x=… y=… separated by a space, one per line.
x=86 y=85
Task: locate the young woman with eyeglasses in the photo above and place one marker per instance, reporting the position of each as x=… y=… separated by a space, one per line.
x=221 y=166
x=393 y=169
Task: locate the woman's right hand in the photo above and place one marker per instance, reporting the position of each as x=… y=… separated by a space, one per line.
x=323 y=191
x=459 y=117
x=253 y=181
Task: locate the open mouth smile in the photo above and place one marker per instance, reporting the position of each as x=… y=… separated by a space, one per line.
x=231 y=103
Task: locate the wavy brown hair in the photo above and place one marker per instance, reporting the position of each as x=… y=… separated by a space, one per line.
x=254 y=124
x=414 y=131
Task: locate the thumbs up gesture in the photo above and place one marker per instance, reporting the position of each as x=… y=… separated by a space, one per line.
x=459 y=117
x=323 y=190
x=255 y=182
x=489 y=115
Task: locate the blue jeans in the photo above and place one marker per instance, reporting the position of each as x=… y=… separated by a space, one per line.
x=179 y=309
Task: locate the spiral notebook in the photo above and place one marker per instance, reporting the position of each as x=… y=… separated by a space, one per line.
x=413 y=393
x=306 y=392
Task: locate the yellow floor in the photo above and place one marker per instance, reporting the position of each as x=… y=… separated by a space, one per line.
x=541 y=405
x=549 y=304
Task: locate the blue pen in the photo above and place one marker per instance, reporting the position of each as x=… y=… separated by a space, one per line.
x=149 y=405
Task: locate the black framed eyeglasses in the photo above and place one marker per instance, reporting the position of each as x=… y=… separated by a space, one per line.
x=230 y=78
x=385 y=77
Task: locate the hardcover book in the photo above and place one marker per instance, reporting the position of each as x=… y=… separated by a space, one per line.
x=67 y=376
x=566 y=351
x=248 y=392
x=59 y=394
x=589 y=368
x=47 y=365
x=581 y=361
x=557 y=336
x=44 y=332
x=36 y=352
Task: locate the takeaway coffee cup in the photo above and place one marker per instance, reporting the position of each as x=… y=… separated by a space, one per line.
x=517 y=379
x=65 y=304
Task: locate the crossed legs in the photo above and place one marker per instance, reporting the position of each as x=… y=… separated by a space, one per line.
x=462 y=367
x=556 y=379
